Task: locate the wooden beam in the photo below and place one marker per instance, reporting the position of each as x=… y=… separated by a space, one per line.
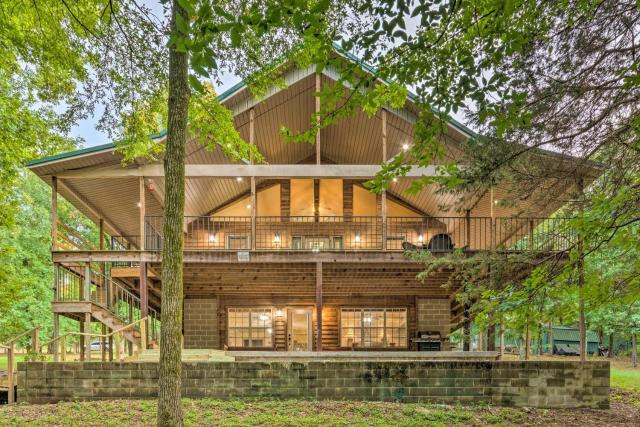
x=253 y=212
x=142 y=211
x=384 y=192
x=54 y=213
x=227 y=257
x=318 y=306
x=144 y=297
x=90 y=207
x=244 y=170
x=252 y=140
x=317 y=99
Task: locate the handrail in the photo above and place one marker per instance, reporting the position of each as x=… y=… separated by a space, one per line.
x=17 y=337
x=115 y=333
x=11 y=396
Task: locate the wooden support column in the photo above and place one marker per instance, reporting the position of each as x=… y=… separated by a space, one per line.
x=318 y=89
x=253 y=213
x=56 y=334
x=383 y=202
x=82 y=340
x=144 y=297
x=316 y=200
x=103 y=353
x=252 y=141
x=11 y=392
x=318 y=306
x=142 y=213
x=54 y=213
x=467 y=223
x=87 y=341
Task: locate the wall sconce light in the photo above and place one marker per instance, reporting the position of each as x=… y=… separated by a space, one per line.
x=249 y=206
x=139 y=204
x=395 y=179
x=357 y=237
x=496 y=202
x=276 y=237
x=420 y=238
x=213 y=238
x=278 y=313
x=239 y=179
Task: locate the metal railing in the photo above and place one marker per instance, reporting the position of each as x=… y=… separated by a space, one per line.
x=353 y=233
x=103 y=291
x=318 y=233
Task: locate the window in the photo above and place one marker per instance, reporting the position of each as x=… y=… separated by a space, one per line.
x=373 y=327
x=250 y=327
x=237 y=242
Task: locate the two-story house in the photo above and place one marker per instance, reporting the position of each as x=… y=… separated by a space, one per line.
x=290 y=255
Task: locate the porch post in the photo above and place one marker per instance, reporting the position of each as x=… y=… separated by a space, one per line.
x=142 y=214
x=254 y=200
x=56 y=334
x=144 y=295
x=318 y=89
x=318 y=306
x=87 y=340
x=384 y=192
x=54 y=213
x=82 y=340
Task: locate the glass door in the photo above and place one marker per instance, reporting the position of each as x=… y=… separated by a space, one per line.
x=299 y=330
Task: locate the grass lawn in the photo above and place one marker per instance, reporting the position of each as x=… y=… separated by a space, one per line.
x=626 y=379
x=268 y=412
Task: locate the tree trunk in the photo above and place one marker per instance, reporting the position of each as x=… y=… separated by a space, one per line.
x=170 y=372
x=634 y=351
x=539 y=339
x=610 y=355
x=580 y=268
x=501 y=340
x=550 y=337
x=527 y=341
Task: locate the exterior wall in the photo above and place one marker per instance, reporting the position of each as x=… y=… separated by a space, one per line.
x=434 y=315
x=535 y=384
x=330 y=316
x=201 y=323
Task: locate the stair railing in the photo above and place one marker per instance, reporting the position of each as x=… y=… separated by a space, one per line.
x=9 y=348
x=118 y=338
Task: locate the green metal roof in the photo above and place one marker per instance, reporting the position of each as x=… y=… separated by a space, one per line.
x=572 y=334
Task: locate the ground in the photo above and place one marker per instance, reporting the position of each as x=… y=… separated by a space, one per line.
x=625 y=411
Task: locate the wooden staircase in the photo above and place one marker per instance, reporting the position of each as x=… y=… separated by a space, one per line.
x=109 y=319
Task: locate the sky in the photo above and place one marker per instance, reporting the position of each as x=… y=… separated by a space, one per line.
x=86 y=129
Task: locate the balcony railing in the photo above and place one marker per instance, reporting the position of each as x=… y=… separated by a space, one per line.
x=367 y=233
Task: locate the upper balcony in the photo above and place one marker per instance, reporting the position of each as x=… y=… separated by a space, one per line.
x=364 y=233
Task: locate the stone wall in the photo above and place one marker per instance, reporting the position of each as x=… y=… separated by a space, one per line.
x=201 y=323
x=536 y=384
x=434 y=315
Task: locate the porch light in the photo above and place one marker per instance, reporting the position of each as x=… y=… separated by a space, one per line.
x=276 y=237
x=420 y=238
x=395 y=179
x=139 y=204
x=405 y=147
x=239 y=179
x=278 y=313
x=249 y=206
x=357 y=238
x=212 y=238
